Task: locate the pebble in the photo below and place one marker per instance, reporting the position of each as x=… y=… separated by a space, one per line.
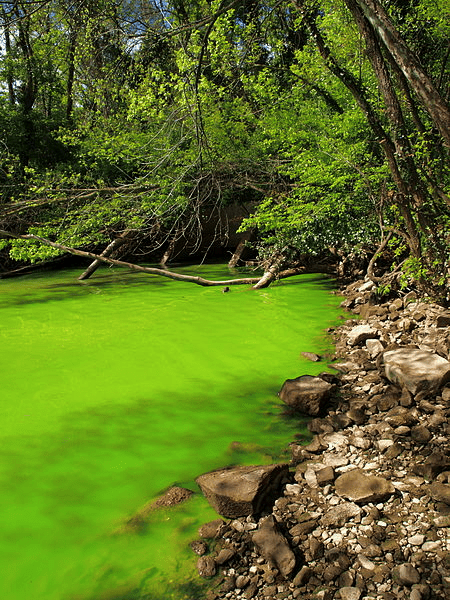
x=392 y=548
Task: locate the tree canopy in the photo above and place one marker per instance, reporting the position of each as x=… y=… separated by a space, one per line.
x=135 y=119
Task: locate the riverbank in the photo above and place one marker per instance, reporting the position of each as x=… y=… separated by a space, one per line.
x=364 y=512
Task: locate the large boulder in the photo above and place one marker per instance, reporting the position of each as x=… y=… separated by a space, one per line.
x=416 y=370
x=240 y=491
x=273 y=546
x=306 y=394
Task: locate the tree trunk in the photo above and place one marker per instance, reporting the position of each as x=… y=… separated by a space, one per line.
x=246 y=237
x=153 y=271
x=389 y=148
x=106 y=252
x=409 y=64
x=271 y=273
x=71 y=73
x=9 y=73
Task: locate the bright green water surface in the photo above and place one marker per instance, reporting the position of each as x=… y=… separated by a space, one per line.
x=114 y=389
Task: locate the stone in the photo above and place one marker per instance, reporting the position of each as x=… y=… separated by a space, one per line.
x=395 y=305
x=358 y=415
x=442 y=521
x=315 y=446
x=316 y=548
x=359 y=487
x=375 y=347
x=350 y=593
x=302 y=576
x=312 y=356
x=199 y=547
x=174 y=495
x=242 y=581
x=320 y=426
x=225 y=555
x=212 y=529
x=366 y=563
x=325 y=476
x=340 y=515
x=303 y=528
x=273 y=546
x=417 y=370
x=421 y=434
x=206 y=566
x=394 y=451
x=440 y=492
x=443 y=320
x=345 y=366
x=366 y=286
x=306 y=394
x=242 y=491
x=417 y=539
x=406 y=574
x=360 y=334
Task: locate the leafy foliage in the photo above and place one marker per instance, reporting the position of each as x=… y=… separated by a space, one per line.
x=118 y=116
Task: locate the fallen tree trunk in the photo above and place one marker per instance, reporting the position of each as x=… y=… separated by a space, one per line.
x=161 y=272
x=116 y=243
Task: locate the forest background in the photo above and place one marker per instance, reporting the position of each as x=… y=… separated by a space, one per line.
x=128 y=122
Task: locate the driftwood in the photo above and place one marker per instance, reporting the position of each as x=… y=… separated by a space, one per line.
x=256 y=282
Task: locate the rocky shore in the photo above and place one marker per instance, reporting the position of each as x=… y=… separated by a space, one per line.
x=363 y=511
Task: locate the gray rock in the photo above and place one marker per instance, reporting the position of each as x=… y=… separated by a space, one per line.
x=316 y=548
x=273 y=546
x=421 y=434
x=417 y=370
x=311 y=356
x=302 y=576
x=325 y=476
x=443 y=320
x=225 y=555
x=306 y=394
x=340 y=515
x=406 y=574
x=241 y=491
x=440 y=492
x=199 y=547
x=303 y=528
x=242 y=581
x=212 y=530
x=375 y=347
x=360 y=334
x=206 y=566
x=366 y=287
x=350 y=593
x=358 y=486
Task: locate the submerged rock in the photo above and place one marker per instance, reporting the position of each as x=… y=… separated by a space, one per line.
x=312 y=356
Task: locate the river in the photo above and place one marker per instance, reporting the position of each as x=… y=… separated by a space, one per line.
x=115 y=388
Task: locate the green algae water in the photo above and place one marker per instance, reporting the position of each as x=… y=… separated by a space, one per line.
x=116 y=388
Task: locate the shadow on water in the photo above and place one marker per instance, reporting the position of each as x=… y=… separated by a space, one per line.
x=79 y=473
x=185 y=591
x=109 y=280
x=112 y=398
